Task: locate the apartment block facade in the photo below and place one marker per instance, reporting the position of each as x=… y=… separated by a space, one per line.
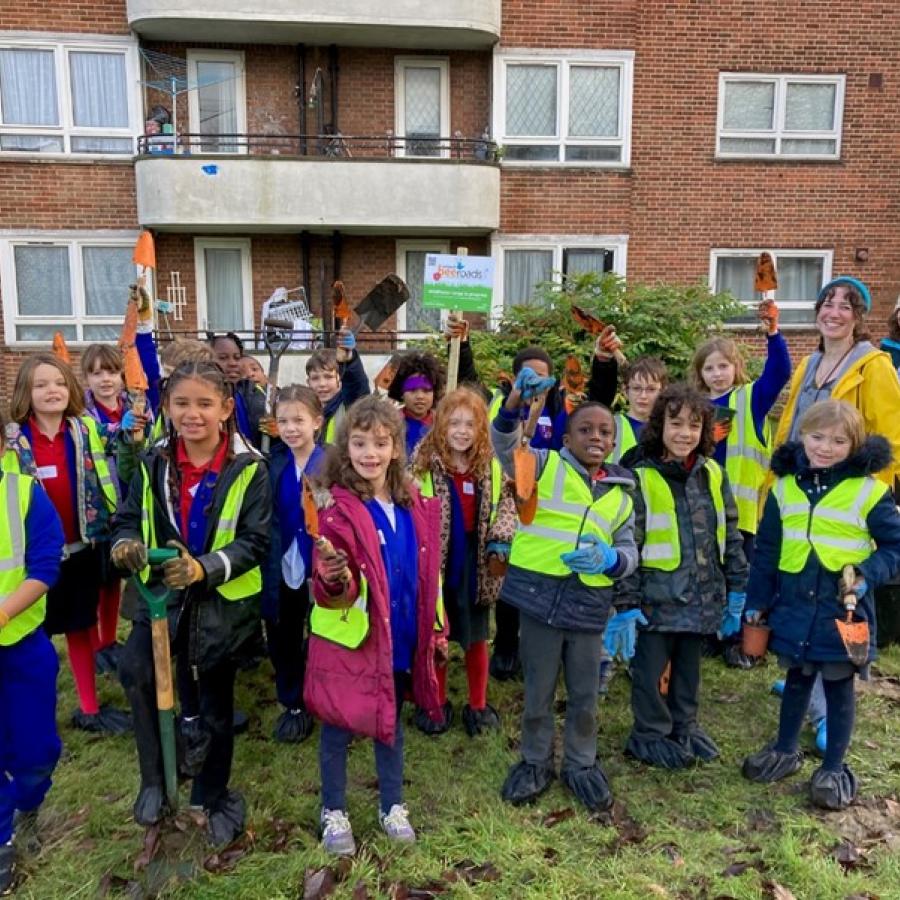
x=300 y=143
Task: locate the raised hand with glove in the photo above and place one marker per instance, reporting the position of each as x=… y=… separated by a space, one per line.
x=593 y=556
x=731 y=616
x=768 y=315
x=183 y=570
x=346 y=344
x=331 y=565
x=608 y=344
x=620 y=636
x=529 y=384
x=129 y=554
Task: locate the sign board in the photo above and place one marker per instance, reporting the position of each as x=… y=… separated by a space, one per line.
x=465 y=283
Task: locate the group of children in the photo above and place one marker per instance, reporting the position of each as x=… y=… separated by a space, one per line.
x=642 y=543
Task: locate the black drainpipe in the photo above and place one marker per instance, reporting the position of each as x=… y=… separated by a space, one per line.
x=301 y=100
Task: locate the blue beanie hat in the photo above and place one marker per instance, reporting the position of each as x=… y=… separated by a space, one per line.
x=848 y=281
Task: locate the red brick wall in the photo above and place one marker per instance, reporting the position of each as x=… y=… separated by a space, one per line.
x=573 y=23
x=91 y=16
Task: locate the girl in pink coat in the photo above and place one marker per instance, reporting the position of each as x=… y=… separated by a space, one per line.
x=377 y=627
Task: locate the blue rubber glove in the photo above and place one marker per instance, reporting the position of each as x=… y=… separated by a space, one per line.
x=860 y=587
x=621 y=633
x=593 y=556
x=347 y=339
x=731 y=617
x=530 y=384
x=498 y=548
x=128 y=420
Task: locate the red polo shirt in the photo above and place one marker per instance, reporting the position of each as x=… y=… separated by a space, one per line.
x=192 y=475
x=465 y=489
x=51 y=456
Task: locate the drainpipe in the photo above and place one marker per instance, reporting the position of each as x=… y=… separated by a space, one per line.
x=301 y=104
x=334 y=69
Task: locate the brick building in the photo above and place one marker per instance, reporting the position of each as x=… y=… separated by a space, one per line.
x=655 y=139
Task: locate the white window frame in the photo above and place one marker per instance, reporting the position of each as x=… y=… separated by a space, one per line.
x=74 y=241
x=240 y=94
x=827 y=257
x=778 y=133
x=563 y=61
x=62 y=45
x=438 y=245
x=210 y=243
x=500 y=243
x=401 y=64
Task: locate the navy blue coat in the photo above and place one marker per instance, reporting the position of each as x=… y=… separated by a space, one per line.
x=801 y=608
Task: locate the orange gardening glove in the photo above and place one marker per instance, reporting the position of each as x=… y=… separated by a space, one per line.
x=721 y=430
x=268 y=426
x=768 y=315
x=184 y=570
x=607 y=343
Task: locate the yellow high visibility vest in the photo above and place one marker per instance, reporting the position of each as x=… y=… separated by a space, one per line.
x=662 y=544
x=426 y=486
x=15 y=500
x=566 y=510
x=346 y=627
x=746 y=458
x=242 y=586
x=835 y=528
x=625 y=438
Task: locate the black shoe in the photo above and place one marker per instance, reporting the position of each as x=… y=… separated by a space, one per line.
x=525 y=782
x=7 y=868
x=769 y=765
x=833 y=790
x=226 y=820
x=504 y=667
x=735 y=657
x=151 y=806
x=426 y=725
x=240 y=722
x=293 y=726
x=108 y=721
x=477 y=721
x=699 y=744
x=661 y=752
x=590 y=786
x=25 y=831
x=193 y=745
x=106 y=660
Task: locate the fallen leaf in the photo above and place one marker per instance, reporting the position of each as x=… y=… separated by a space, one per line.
x=360 y=891
x=848 y=855
x=658 y=890
x=472 y=873
x=318 y=883
x=735 y=869
x=551 y=855
x=733 y=851
x=777 y=891
x=151 y=845
x=762 y=820
x=557 y=816
x=630 y=832
x=870 y=745
x=111 y=883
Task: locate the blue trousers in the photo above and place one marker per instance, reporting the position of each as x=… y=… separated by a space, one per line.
x=29 y=744
x=333 y=744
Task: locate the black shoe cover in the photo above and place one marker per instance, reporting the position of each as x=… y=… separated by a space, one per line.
x=662 y=752
x=504 y=667
x=240 y=722
x=226 y=820
x=7 y=868
x=769 y=765
x=108 y=720
x=25 y=831
x=193 y=745
x=590 y=786
x=150 y=806
x=699 y=744
x=833 y=790
x=293 y=726
x=525 y=783
x=477 y=721
x=106 y=660
x=426 y=725
x=735 y=657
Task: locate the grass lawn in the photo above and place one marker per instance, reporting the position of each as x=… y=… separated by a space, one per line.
x=703 y=833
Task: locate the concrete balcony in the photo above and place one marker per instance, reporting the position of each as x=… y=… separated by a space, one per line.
x=456 y=192
x=450 y=24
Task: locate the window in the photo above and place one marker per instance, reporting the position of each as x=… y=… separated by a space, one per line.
x=422 y=105
x=76 y=285
x=801 y=274
x=412 y=316
x=224 y=284
x=73 y=96
x=525 y=261
x=572 y=108
x=793 y=116
x=217 y=105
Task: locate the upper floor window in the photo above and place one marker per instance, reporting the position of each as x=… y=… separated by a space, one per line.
x=792 y=116
x=70 y=96
x=564 y=108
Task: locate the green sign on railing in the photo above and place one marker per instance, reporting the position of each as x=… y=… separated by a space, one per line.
x=465 y=283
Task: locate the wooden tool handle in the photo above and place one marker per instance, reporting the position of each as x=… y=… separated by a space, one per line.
x=848 y=579
x=326 y=548
x=534 y=413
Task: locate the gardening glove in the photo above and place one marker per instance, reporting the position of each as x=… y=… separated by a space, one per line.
x=621 y=633
x=268 y=426
x=731 y=616
x=456 y=328
x=346 y=344
x=754 y=616
x=164 y=307
x=129 y=554
x=134 y=422
x=768 y=315
x=529 y=384
x=183 y=570
x=141 y=298
x=500 y=549
x=607 y=343
x=721 y=430
x=860 y=587
x=593 y=557
x=332 y=566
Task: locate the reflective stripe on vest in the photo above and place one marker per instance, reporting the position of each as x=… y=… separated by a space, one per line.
x=346 y=627
x=625 y=438
x=662 y=544
x=746 y=458
x=835 y=528
x=566 y=510
x=15 y=500
x=238 y=588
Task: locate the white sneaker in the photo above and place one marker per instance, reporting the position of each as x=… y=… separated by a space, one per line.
x=337 y=835
x=396 y=824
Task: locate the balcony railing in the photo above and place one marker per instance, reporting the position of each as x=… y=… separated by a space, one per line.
x=322 y=146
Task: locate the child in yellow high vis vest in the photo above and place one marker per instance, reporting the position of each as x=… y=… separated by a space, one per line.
x=203 y=493
x=562 y=568
x=31 y=542
x=825 y=511
x=455 y=463
x=691 y=578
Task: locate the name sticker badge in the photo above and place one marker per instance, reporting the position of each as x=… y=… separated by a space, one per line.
x=381 y=539
x=45 y=472
x=468 y=487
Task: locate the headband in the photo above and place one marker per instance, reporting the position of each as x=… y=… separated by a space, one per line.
x=417 y=383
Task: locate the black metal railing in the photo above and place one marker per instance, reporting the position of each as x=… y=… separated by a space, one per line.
x=321 y=146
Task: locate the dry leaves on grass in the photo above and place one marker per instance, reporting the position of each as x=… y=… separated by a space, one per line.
x=629 y=831
x=776 y=891
x=885 y=686
x=557 y=816
x=869 y=823
x=225 y=860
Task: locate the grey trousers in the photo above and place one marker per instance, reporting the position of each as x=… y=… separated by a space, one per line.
x=543 y=650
